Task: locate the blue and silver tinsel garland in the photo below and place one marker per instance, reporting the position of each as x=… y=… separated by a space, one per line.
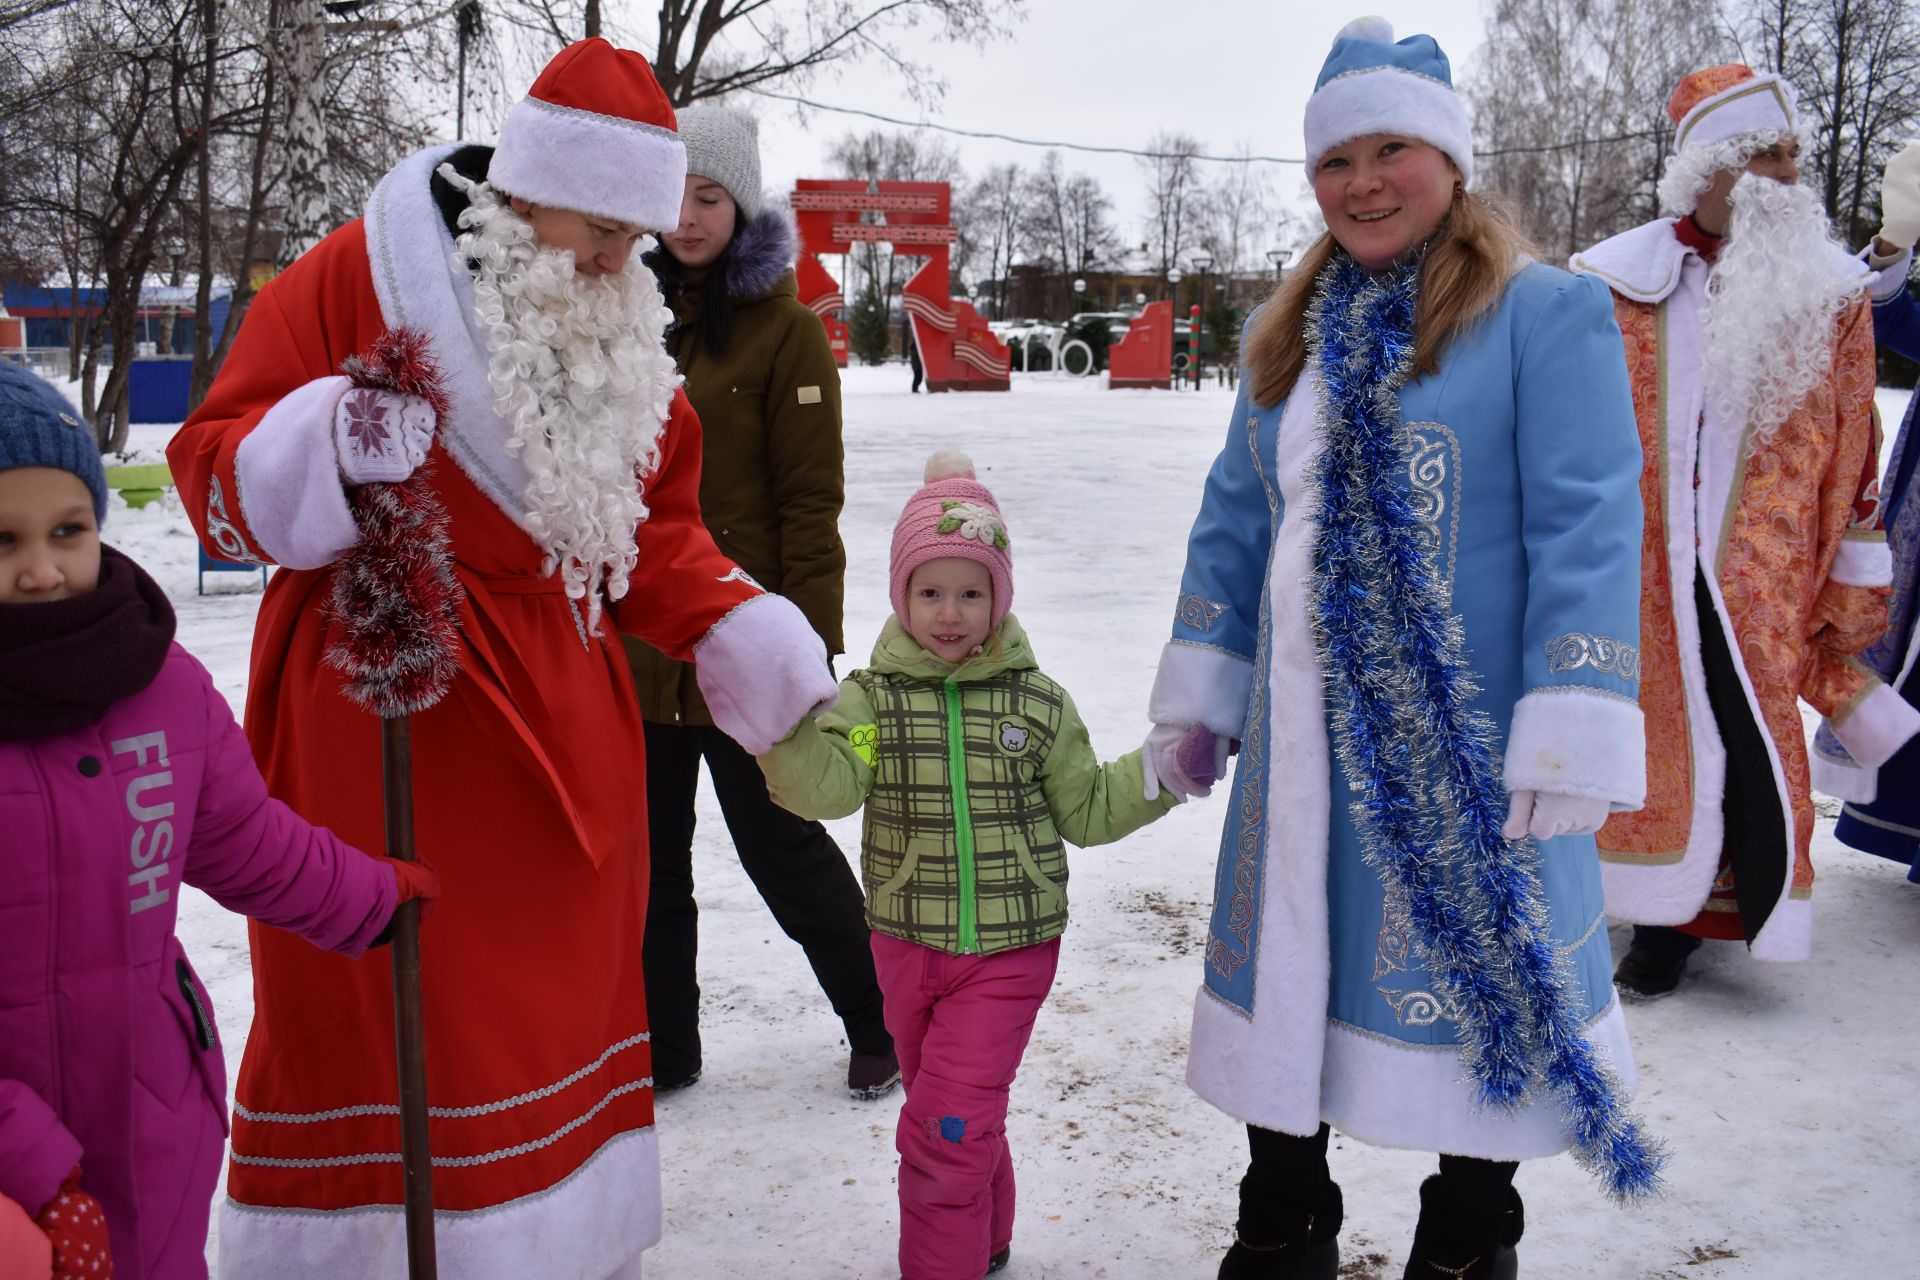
x=1401 y=696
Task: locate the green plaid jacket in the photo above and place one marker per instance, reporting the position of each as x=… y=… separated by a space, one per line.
x=974 y=778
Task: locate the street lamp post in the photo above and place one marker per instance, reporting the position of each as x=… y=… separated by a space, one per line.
x=1201 y=262
x=1278 y=258
x=1079 y=294
x=1173 y=283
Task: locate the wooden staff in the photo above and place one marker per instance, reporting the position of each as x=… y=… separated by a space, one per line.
x=395 y=599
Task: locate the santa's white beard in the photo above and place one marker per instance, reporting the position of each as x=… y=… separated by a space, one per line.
x=581 y=376
x=1772 y=299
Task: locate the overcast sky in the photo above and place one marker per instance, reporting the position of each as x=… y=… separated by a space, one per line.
x=1112 y=73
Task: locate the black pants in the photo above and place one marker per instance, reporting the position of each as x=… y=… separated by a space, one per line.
x=794 y=864
x=1292 y=1168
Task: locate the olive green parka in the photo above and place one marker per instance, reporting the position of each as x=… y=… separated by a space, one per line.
x=771 y=484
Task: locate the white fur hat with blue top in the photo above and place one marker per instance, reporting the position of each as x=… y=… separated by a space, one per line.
x=1372 y=84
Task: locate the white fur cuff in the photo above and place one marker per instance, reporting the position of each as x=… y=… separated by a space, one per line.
x=1843 y=780
x=292 y=495
x=1863 y=562
x=1876 y=726
x=1578 y=742
x=1197 y=685
x=762 y=670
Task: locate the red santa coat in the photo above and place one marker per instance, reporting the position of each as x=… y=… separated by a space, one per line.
x=538 y=1064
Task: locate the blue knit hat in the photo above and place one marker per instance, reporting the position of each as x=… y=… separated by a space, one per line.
x=38 y=429
x=1370 y=84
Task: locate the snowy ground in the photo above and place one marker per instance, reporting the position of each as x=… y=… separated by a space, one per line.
x=1786 y=1092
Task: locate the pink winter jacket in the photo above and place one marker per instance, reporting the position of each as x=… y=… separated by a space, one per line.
x=108 y=1053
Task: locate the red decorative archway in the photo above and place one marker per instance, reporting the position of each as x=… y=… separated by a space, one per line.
x=957 y=349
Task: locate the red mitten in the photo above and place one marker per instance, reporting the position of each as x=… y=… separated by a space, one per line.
x=77 y=1227
x=417 y=880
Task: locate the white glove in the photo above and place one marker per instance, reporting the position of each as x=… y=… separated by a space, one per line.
x=1900 y=198
x=381 y=436
x=1176 y=757
x=1546 y=814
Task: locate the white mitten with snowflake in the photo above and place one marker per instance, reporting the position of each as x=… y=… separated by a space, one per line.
x=382 y=436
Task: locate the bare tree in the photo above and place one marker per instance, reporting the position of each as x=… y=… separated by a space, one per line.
x=1070 y=216
x=991 y=222
x=1173 y=182
x=1238 y=220
x=1569 y=105
x=706 y=48
x=1856 y=65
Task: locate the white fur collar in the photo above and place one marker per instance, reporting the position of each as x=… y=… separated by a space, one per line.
x=1642 y=264
x=420 y=285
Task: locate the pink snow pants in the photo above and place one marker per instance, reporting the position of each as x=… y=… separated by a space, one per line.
x=960 y=1025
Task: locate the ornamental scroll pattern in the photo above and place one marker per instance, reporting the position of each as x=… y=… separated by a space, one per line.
x=1198 y=612
x=1577 y=649
x=1392 y=948
x=227 y=539
x=1433 y=491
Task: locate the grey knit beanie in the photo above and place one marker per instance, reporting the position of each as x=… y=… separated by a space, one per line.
x=724 y=144
x=38 y=429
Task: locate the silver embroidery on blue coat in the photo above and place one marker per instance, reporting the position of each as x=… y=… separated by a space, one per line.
x=1578 y=649
x=1417 y=1008
x=1199 y=612
x=1433 y=491
x=1233 y=933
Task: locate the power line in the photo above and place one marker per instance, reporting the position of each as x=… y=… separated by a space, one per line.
x=1140 y=152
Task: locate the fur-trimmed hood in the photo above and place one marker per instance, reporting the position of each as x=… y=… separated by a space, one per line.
x=764 y=251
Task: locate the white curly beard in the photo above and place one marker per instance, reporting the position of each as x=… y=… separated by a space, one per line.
x=1772 y=299
x=581 y=376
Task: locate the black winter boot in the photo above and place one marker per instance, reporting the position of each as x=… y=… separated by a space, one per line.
x=1294 y=1240
x=1471 y=1246
x=1653 y=964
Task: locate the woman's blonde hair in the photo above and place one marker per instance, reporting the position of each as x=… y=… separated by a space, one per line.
x=1473 y=254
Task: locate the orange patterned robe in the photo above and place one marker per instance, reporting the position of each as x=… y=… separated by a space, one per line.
x=1783 y=538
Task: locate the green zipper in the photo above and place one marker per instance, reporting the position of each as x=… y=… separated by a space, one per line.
x=962 y=822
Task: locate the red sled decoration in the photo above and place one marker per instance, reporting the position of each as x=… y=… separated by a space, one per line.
x=957 y=349
x=1144 y=358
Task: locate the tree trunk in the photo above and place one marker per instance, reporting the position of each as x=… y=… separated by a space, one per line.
x=309 y=204
x=201 y=375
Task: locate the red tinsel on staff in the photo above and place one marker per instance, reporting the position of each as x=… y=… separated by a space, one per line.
x=394 y=594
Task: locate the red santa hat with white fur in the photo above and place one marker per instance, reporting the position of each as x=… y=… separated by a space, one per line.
x=597 y=135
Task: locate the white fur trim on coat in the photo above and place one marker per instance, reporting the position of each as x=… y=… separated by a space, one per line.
x=1642 y=264
x=1198 y=685
x=421 y=287
x=291 y=492
x=1874 y=727
x=1574 y=741
x=1265 y=1069
x=763 y=669
x=1863 y=562
x=595 y=1222
x=1417 y=1098
x=1842 y=779
x=590 y=163
x=1389 y=100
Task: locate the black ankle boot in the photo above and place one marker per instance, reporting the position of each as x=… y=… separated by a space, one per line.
x=1471 y=1246
x=1653 y=964
x=1290 y=1240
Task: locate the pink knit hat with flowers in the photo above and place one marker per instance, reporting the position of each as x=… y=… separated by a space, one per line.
x=952 y=514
